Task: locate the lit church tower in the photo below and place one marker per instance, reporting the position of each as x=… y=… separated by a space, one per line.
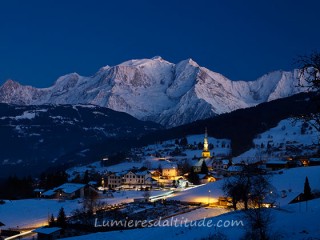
x=205 y=152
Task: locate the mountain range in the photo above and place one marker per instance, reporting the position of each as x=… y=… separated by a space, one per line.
x=34 y=138
x=157 y=90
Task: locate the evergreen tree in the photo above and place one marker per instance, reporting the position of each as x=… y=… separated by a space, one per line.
x=86 y=177
x=184 y=141
x=193 y=177
x=51 y=221
x=307 y=190
x=62 y=219
x=204 y=168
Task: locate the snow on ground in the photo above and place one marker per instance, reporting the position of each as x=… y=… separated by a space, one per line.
x=207 y=193
x=148 y=159
x=96 y=166
x=289 y=180
x=129 y=195
x=220 y=146
x=178 y=230
x=298 y=221
x=30 y=213
x=200 y=213
x=292 y=182
x=295 y=221
x=288 y=132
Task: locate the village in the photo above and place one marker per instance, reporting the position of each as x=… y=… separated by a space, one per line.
x=151 y=182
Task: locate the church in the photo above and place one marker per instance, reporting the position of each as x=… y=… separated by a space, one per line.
x=205 y=151
x=205 y=156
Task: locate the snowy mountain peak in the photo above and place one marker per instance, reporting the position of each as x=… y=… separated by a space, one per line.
x=157 y=90
x=157 y=58
x=10 y=83
x=192 y=62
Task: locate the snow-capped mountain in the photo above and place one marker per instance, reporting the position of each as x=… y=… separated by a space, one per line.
x=157 y=90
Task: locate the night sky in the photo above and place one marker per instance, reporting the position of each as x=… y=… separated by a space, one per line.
x=42 y=40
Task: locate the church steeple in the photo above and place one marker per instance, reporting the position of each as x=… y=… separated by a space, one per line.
x=206 y=152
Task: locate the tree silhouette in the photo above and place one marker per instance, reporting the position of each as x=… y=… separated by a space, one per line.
x=193 y=177
x=310 y=72
x=52 y=221
x=62 y=219
x=204 y=168
x=307 y=190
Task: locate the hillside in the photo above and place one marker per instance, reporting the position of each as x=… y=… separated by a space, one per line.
x=34 y=138
x=243 y=125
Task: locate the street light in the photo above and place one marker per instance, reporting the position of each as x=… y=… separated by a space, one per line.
x=209 y=197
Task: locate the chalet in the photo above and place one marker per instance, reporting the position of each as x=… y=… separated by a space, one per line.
x=276 y=165
x=205 y=178
x=220 y=164
x=169 y=170
x=314 y=161
x=38 y=192
x=48 y=233
x=234 y=170
x=66 y=191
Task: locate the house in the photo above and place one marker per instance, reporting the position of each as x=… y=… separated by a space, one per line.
x=66 y=191
x=114 y=180
x=205 y=178
x=136 y=178
x=276 y=165
x=38 y=192
x=314 y=161
x=48 y=233
x=220 y=164
x=169 y=169
x=234 y=170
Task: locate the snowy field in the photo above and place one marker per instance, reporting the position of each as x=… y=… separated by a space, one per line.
x=31 y=213
x=221 y=148
x=287 y=223
x=288 y=132
x=289 y=180
x=294 y=221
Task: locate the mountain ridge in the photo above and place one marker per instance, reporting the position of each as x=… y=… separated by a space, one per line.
x=157 y=90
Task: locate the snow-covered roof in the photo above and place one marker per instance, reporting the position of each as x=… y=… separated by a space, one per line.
x=225 y=161
x=198 y=163
x=276 y=162
x=49 y=192
x=235 y=168
x=39 y=190
x=70 y=187
x=66 y=188
x=168 y=164
x=45 y=230
x=116 y=174
x=203 y=176
x=143 y=173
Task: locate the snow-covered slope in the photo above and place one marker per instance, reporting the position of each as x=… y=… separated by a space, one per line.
x=289 y=138
x=157 y=90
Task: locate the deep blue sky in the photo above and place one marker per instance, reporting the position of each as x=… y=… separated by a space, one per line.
x=41 y=40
